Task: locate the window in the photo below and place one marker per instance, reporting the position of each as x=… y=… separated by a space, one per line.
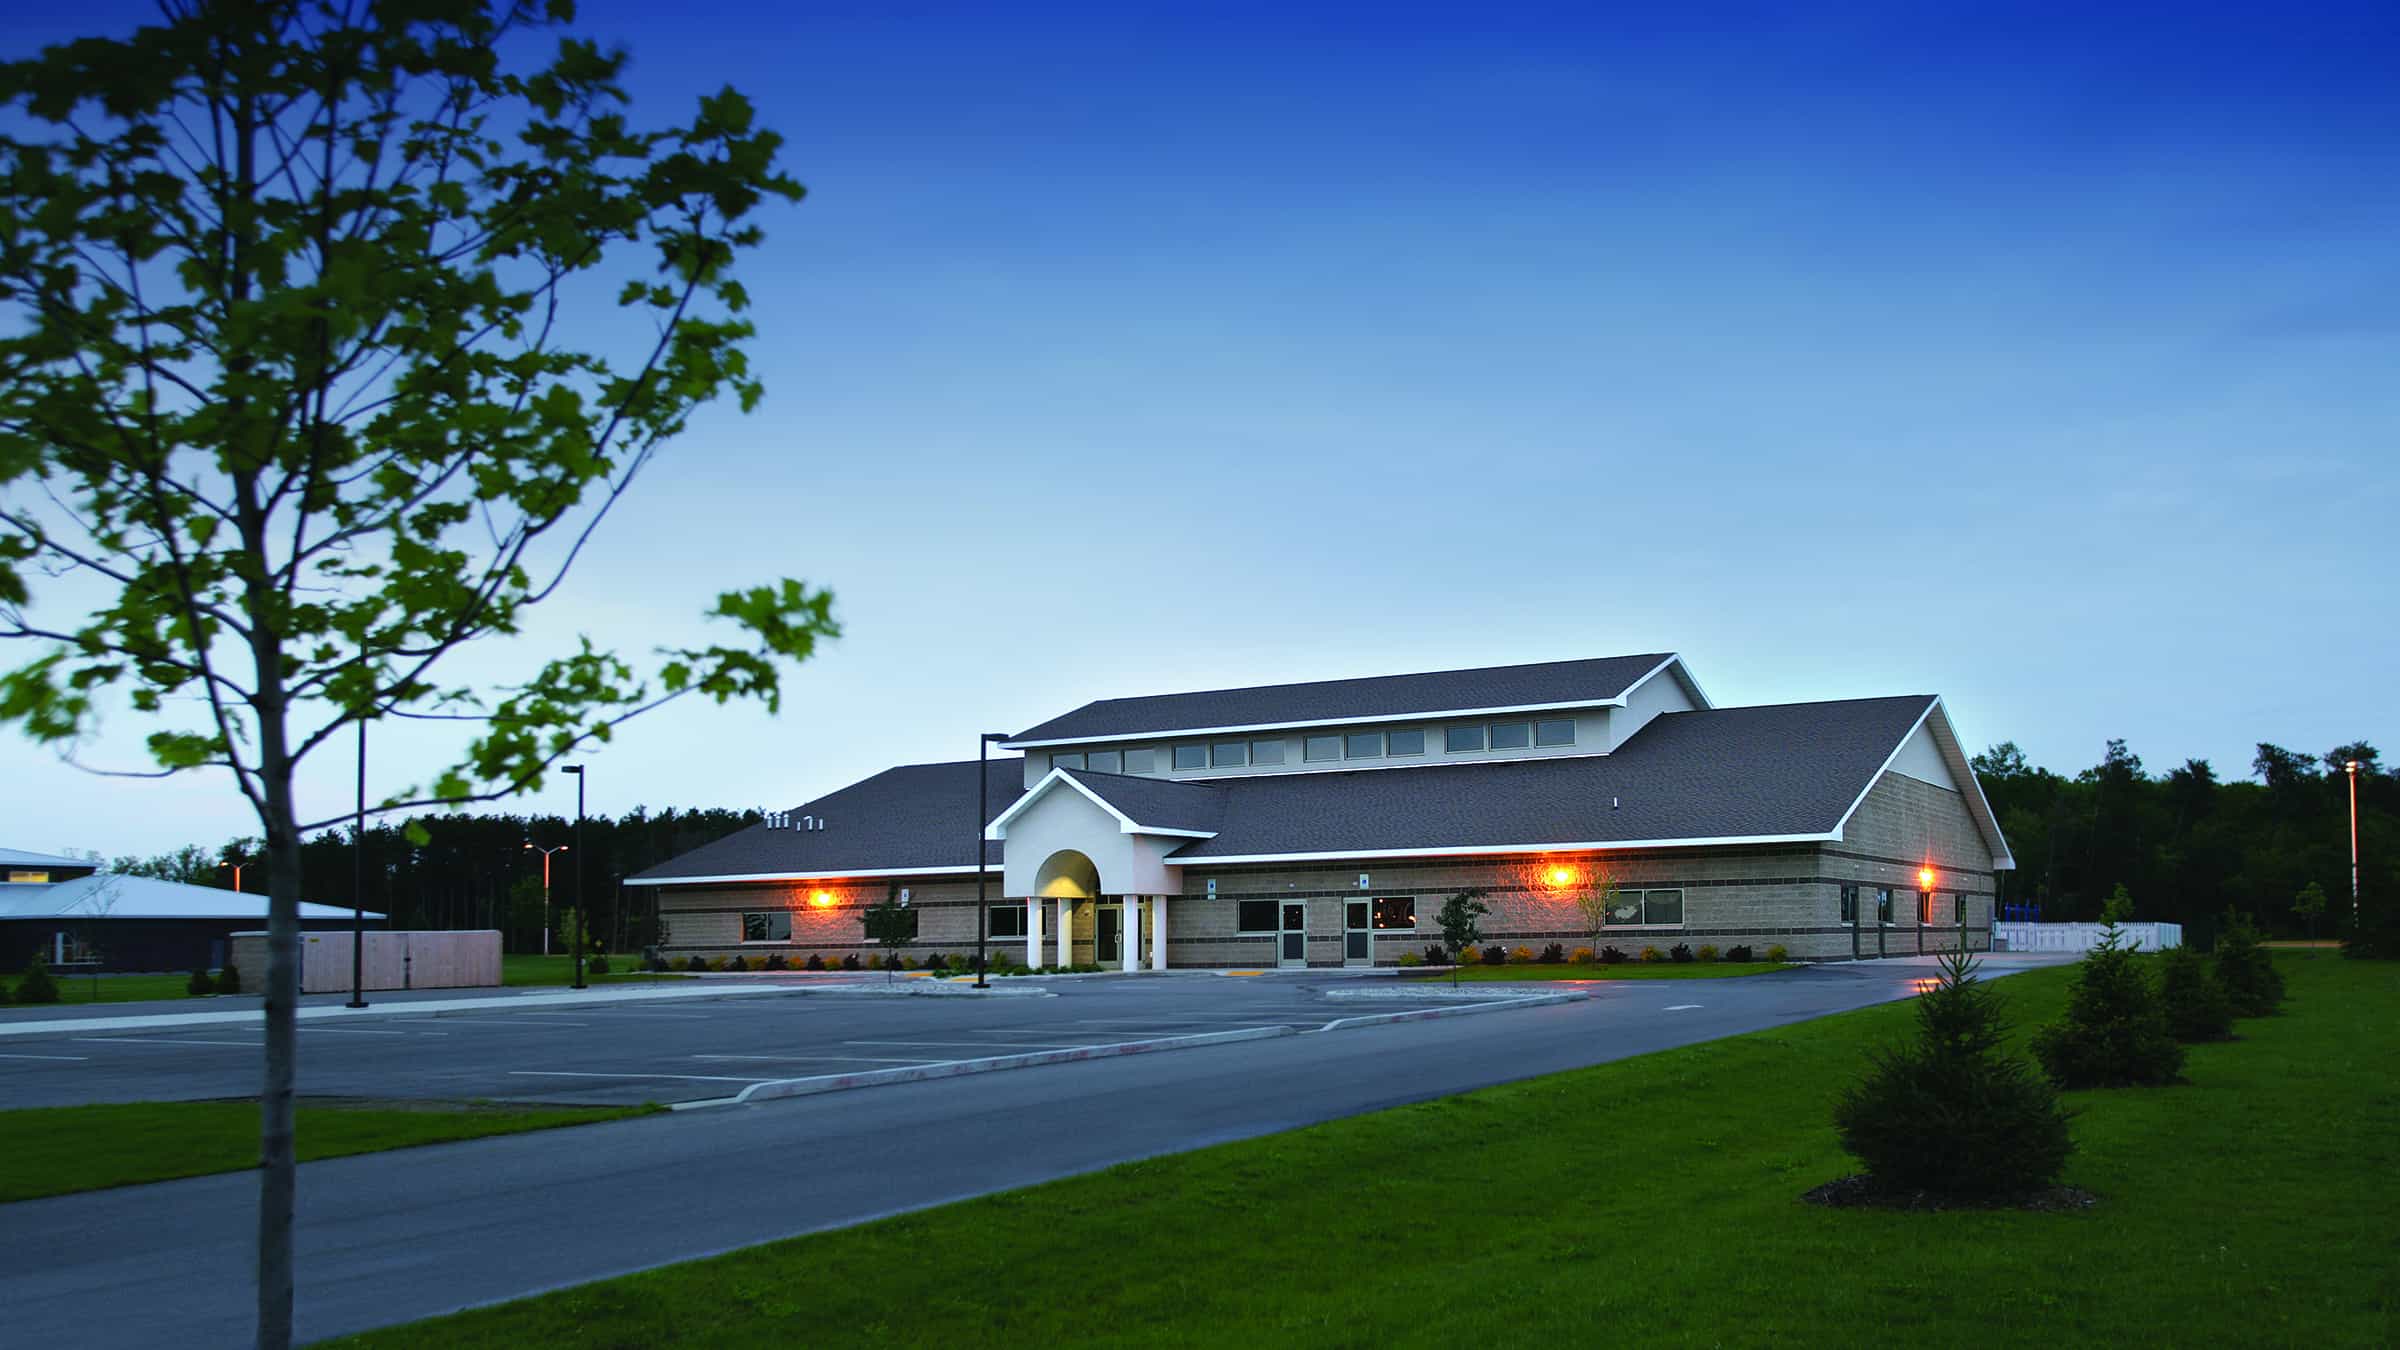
x=1406 y=743
x=775 y=925
x=1108 y=761
x=1511 y=735
x=1362 y=745
x=1191 y=757
x=1924 y=907
x=1554 y=731
x=1007 y=921
x=1067 y=761
x=1399 y=911
x=1229 y=754
x=1457 y=739
x=1321 y=747
x=1849 y=904
x=1254 y=916
x=1627 y=909
x=1958 y=910
x=1662 y=907
x=15 y=875
x=1883 y=904
x=1141 y=761
x=1266 y=752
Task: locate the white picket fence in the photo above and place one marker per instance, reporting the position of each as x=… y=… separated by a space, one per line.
x=2081 y=937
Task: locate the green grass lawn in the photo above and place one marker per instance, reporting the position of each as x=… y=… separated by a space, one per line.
x=536 y=968
x=1651 y=1201
x=1630 y=970
x=52 y=1150
x=110 y=988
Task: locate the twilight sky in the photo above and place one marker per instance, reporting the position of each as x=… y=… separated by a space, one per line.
x=2038 y=360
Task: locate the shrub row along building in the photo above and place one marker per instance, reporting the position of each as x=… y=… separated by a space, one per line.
x=1325 y=824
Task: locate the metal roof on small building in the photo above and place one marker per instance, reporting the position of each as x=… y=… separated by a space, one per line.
x=115 y=896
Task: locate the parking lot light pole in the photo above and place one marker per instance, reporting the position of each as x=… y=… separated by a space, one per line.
x=983 y=852
x=583 y=921
x=2352 y=768
x=532 y=847
x=358 y=880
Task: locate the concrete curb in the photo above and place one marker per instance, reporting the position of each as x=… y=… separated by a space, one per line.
x=1462 y=1010
x=917 y=1073
x=1445 y=994
x=418 y=1007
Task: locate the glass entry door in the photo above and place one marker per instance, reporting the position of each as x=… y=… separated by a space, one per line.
x=1358 y=939
x=1293 y=945
x=1108 y=934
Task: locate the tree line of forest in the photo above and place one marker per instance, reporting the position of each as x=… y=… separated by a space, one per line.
x=2186 y=845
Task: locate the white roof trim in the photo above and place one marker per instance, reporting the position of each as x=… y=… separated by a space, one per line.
x=1978 y=809
x=1683 y=676
x=1474 y=850
x=1363 y=719
x=811 y=876
x=1126 y=824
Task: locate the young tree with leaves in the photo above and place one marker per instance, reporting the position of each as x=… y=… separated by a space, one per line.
x=894 y=925
x=306 y=384
x=1461 y=922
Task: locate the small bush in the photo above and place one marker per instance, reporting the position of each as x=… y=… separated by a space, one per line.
x=2115 y=1031
x=1653 y=955
x=1522 y=955
x=874 y=960
x=850 y=961
x=695 y=963
x=1680 y=954
x=778 y=961
x=2197 y=1009
x=1779 y=953
x=1740 y=954
x=1999 y=1125
x=1411 y=960
x=37 y=986
x=1553 y=955
x=937 y=961
x=1437 y=956
x=1468 y=956
x=1582 y=956
x=199 y=984
x=1495 y=955
x=1611 y=956
x=1708 y=951
x=597 y=964
x=229 y=979
x=2244 y=969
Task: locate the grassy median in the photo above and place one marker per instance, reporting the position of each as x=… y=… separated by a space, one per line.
x=1651 y=1201
x=522 y=968
x=54 y=1150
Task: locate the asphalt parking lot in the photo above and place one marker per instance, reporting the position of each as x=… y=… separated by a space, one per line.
x=678 y=1050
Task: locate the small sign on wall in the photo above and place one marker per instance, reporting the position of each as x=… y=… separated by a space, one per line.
x=1362 y=881
x=1212 y=888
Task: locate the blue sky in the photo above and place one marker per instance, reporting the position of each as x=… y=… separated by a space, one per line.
x=2039 y=360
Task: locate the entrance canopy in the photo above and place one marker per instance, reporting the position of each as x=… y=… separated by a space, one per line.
x=1078 y=835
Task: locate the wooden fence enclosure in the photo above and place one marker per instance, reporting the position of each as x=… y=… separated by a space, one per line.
x=438 y=959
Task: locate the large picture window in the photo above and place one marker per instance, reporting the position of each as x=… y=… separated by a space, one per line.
x=1398 y=911
x=1647 y=907
x=1007 y=921
x=774 y=925
x=1255 y=916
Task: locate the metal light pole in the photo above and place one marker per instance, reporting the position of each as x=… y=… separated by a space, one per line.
x=583 y=921
x=358 y=879
x=531 y=847
x=983 y=853
x=2352 y=768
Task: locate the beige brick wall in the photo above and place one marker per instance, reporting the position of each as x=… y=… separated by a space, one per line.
x=707 y=920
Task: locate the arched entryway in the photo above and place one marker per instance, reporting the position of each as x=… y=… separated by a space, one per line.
x=1090 y=924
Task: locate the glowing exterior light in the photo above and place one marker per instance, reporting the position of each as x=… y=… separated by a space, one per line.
x=1561 y=876
x=822 y=899
x=1924 y=878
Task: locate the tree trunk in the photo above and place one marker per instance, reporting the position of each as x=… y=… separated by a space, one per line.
x=277 y=1177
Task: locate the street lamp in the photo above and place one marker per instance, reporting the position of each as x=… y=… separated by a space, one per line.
x=2352 y=768
x=583 y=921
x=983 y=853
x=358 y=878
x=532 y=847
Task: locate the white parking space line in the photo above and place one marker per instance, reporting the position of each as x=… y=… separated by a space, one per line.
x=362 y=1031
x=1681 y=1007
x=968 y=1045
x=77 y=1058
x=445 y=1020
x=845 y=1059
x=612 y=1014
x=161 y=1040
x=694 y=1077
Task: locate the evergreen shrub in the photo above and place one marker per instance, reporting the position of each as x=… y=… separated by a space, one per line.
x=1952 y=1113
x=229 y=978
x=1437 y=956
x=2244 y=970
x=1610 y=956
x=596 y=964
x=1552 y=955
x=816 y=961
x=2197 y=1009
x=1741 y=953
x=200 y=984
x=1680 y=954
x=2115 y=1031
x=1495 y=955
x=37 y=986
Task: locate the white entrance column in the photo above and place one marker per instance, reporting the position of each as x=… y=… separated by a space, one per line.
x=1129 y=933
x=1158 y=932
x=1066 y=932
x=1033 y=931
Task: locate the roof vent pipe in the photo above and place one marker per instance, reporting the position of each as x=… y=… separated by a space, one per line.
x=1612 y=803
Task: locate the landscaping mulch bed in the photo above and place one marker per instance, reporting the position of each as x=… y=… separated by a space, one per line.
x=1865 y=1192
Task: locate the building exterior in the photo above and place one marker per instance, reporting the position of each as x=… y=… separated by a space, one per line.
x=1324 y=824
x=70 y=913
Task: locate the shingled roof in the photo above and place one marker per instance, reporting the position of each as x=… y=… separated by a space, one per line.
x=915 y=818
x=1548 y=684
